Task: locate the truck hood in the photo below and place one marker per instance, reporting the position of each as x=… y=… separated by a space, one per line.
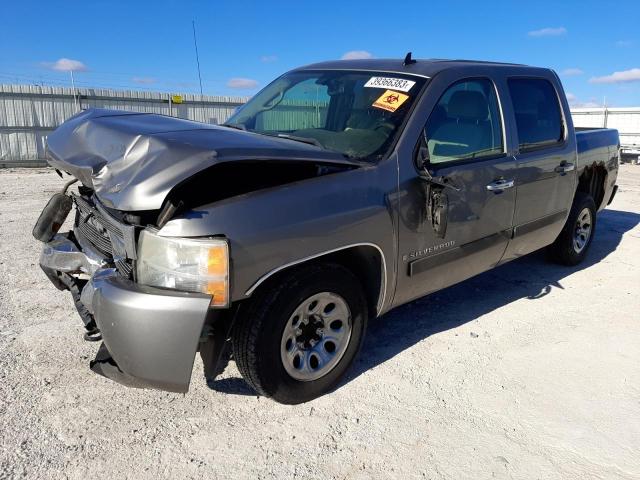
x=133 y=160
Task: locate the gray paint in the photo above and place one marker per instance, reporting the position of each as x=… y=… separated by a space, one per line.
x=153 y=334
x=270 y=228
x=381 y=206
x=133 y=160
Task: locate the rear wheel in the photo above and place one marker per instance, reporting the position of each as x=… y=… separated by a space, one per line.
x=294 y=340
x=574 y=240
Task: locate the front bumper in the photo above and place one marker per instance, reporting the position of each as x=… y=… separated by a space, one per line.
x=151 y=335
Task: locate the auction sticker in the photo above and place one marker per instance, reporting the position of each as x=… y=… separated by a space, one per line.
x=390 y=100
x=387 y=82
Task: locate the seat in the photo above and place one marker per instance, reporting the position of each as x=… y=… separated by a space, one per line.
x=466 y=129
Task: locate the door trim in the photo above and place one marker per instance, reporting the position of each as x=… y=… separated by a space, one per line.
x=545 y=221
x=427 y=263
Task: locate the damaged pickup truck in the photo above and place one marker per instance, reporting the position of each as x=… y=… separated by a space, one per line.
x=338 y=192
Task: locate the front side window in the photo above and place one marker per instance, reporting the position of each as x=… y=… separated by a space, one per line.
x=465 y=123
x=537 y=111
x=357 y=114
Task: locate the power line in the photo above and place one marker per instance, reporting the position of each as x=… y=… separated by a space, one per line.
x=195 y=43
x=53 y=81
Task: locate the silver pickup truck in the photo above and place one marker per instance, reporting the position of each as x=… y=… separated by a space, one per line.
x=338 y=192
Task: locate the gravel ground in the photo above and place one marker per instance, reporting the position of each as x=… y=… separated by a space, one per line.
x=529 y=371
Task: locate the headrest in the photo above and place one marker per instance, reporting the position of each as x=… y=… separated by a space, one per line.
x=468 y=105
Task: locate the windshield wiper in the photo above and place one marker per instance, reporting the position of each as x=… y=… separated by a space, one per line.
x=308 y=140
x=237 y=126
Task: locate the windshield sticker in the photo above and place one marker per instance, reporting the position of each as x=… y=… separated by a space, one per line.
x=386 y=82
x=390 y=101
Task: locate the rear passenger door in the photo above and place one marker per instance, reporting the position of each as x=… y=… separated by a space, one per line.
x=546 y=161
x=457 y=223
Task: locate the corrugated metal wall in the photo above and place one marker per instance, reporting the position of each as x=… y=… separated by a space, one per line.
x=294 y=115
x=28 y=113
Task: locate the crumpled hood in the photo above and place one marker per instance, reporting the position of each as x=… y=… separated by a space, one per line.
x=133 y=160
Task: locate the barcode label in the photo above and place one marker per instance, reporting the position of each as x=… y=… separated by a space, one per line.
x=393 y=83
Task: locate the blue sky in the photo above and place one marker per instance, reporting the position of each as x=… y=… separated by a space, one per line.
x=243 y=45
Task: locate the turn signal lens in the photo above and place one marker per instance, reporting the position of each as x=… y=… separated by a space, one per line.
x=218 y=291
x=217 y=261
x=187 y=264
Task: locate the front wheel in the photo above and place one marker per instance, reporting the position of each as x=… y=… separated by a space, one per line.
x=574 y=240
x=294 y=340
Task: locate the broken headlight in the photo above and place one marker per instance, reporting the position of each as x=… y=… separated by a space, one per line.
x=187 y=264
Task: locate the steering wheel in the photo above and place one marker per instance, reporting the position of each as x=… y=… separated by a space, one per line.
x=273 y=103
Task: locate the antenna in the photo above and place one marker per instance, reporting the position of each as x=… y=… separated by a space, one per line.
x=408 y=60
x=73 y=87
x=195 y=44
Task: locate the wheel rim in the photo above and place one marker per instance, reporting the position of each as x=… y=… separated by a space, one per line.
x=582 y=232
x=316 y=336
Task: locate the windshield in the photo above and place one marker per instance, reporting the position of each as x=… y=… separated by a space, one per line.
x=354 y=113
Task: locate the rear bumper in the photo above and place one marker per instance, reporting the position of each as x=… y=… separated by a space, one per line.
x=151 y=334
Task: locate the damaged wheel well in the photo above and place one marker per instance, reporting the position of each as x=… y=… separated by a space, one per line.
x=592 y=182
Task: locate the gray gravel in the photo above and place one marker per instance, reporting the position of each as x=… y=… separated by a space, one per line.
x=528 y=371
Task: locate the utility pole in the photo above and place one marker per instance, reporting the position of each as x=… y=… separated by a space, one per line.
x=195 y=44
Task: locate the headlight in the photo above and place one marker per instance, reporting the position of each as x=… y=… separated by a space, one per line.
x=188 y=264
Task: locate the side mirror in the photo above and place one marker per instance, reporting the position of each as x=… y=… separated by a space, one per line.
x=422 y=154
x=422 y=158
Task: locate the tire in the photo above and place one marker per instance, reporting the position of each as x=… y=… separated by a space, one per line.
x=572 y=245
x=265 y=342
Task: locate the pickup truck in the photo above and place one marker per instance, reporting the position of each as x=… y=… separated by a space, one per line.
x=340 y=191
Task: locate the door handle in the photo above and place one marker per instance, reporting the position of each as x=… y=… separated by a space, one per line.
x=500 y=185
x=565 y=167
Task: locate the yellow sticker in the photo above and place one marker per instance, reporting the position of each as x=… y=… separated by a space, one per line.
x=390 y=100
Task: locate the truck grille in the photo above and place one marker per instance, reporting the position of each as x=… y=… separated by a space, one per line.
x=109 y=237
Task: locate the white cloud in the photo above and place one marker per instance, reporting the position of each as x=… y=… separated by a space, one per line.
x=66 y=65
x=624 y=43
x=356 y=55
x=570 y=72
x=587 y=105
x=238 y=82
x=632 y=75
x=144 y=80
x=548 y=32
x=268 y=58
x=576 y=103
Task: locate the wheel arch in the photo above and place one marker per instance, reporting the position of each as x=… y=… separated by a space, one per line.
x=592 y=181
x=365 y=260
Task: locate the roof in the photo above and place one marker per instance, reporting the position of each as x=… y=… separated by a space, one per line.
x=422 y=67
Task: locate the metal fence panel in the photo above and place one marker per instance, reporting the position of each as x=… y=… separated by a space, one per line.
x=28 y=113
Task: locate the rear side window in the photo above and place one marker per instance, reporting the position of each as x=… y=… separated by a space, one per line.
x=537 y=111
x=465 y=123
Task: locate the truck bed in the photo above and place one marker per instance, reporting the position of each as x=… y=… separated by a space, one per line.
x=594 y=138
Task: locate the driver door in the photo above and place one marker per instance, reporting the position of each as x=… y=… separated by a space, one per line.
x=456 y=210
